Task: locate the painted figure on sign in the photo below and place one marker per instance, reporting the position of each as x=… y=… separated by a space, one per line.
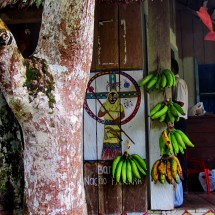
x=112 y=111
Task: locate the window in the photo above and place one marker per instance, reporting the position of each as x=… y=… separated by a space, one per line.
x=207 y=86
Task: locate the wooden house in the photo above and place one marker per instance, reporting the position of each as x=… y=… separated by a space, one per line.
x=131 y=40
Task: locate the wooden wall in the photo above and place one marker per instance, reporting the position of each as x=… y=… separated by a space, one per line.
x=201 y=132
x=118 y=53
x=190 y=34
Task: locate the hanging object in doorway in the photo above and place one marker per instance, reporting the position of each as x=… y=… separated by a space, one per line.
x=206 y=19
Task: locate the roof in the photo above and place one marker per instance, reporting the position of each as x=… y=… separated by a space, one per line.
x=21 y=3
x=38 y=3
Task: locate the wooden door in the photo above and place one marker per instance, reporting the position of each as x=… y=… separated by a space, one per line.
x=117 y=65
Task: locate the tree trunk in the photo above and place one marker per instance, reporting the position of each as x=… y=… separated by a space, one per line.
x=46 y=93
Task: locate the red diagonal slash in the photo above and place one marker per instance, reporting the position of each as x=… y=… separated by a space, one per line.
x=91 y=89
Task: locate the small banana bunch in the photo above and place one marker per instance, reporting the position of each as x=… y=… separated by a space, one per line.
x=127 y=167
x=166 y=111
x=168 y=168
x=158 y=80
x=173 y=142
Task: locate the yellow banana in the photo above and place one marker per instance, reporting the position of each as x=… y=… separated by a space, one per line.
x=165 y=137
x=154 y=171
x=162 y=167
x=174 y=168
x=169 y=177
x=179 y=168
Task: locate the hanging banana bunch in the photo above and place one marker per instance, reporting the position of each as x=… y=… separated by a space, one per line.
x=168 y=168
x=158 y=80
x=173 y=141
x=127 y=168
x=166 y=111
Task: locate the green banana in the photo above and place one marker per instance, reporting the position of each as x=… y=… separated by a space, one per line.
x=119 y=170
x=169 y=77
x=181 y=149
x=157 y=85
x=156 y=108
x=185 y=138
x=170 y=146
x=179 y=108
x=160 y=112
x=162 y=145
x=124 y=175
x=162 y=118
x=174 y=143
x=134 y=169
x=170 y=115
x=173 y=78
x=163 y=81
x=173 y=110
x=129 y=171
x=179 y=139
x=114 y=164
x=139 y=167
x=152 y=82
x=145 y=80
x=140 y=161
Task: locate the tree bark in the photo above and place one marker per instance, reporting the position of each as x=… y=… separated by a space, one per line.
x=46 y=93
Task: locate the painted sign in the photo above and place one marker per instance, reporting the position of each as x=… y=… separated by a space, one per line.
x=114 y=115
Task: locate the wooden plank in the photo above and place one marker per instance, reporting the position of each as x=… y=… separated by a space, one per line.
x=16 y=16
x=158 y=46
x=106 y=38
x=91 y=187
x=110 y=194
x=201 y=124
x=187 y=35
x=206 y=154
x=209 y=48
x=198 y=201
x=202 y=140
x=130 y=27
x=198 y=38
x=135 y=197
